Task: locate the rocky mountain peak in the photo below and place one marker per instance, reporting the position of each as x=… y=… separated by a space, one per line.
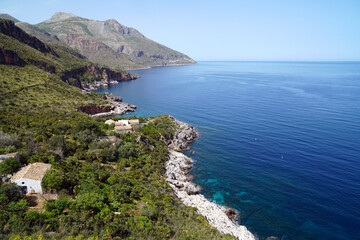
x=124 y=30
x=111 y=22
x=59 y=16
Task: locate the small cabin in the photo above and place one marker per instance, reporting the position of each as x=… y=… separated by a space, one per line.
x=122 y=123
x=123 y=129
x=30 y=177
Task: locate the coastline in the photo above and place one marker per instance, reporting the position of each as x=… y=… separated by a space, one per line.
x=177 y=176
x=155 y=66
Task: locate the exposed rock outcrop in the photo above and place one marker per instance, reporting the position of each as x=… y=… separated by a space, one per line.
x=8 y=27
x=184 y=135
x=95 y=109
x=103 y=77
x=111 y=43
x=117 y=107
x=10 y=57
x=177 y=169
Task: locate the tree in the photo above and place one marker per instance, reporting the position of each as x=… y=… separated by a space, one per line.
x=58 y=144
x=11 y=191
x=9 y=166
x=54 y=179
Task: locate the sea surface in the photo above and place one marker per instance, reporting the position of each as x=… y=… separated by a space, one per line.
x=280 y=141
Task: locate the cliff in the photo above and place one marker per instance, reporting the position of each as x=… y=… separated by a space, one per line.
x=101 y=77
x=10 y=57
x=8 y=28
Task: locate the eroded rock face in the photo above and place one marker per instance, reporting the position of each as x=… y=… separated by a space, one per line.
x=94 y=109
x=10 y=57
x=177 y=170
x=8 y=27
x=184 y=135
x=104 y=77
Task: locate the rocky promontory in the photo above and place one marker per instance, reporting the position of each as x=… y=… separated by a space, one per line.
x=102 y=77
x=177 y=175
x=116 y=107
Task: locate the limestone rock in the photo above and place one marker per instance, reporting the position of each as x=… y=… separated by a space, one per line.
x=177 y=169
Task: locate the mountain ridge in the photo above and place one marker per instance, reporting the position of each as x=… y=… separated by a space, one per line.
x=123 y=40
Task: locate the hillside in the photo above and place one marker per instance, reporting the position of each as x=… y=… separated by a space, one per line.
x=106 y=189
x=38 y=74
x=101 y=40
x=8 y=17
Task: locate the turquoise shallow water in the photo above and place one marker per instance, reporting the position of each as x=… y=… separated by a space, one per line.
x=280 y=142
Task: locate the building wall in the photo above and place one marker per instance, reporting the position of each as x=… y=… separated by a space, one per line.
x=30 y=185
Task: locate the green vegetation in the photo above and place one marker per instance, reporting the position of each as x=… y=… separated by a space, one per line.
x=107 y=189
x=9 y=166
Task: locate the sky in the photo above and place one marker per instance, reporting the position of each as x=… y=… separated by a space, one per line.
x=254 y=30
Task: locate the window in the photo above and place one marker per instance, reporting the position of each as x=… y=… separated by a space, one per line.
x=23 y=183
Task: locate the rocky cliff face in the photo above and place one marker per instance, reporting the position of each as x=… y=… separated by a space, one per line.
x=10 y=57
x=116 y=107
x=101 y=40
x=8 y=27
x=184 y=135
x=95 y=109
x=103 y=76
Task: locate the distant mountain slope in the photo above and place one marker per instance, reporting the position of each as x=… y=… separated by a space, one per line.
x=35 y=74
x=37 y=32
x=107 y=41
x=8 y=17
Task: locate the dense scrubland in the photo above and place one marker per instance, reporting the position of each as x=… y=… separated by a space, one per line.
x=106 y=189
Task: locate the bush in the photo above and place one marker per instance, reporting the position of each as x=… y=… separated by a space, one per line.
x=9 y=166
x=7 y=139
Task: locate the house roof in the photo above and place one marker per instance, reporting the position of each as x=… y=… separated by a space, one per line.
x=122 y=128
x=122 y=122
x=134 y=121
x=34 y=171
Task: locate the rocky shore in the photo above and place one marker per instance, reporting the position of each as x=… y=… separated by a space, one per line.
x=116 y=107
x=177 y=175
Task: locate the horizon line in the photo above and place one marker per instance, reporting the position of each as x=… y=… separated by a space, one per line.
x=277 y=60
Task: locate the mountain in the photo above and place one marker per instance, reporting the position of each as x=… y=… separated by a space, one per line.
x=37 y=32
x=111 y=43
x=36 y=73
x=8 y=17
x=109 y=185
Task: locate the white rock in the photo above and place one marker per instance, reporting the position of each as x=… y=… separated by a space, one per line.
x=178 y=167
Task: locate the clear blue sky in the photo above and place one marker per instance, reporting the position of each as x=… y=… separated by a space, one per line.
x=227 y=29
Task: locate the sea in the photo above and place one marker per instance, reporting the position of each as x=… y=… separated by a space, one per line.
x=279 y=141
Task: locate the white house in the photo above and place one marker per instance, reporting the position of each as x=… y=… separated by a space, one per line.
x=123 y=128
x=30 y=177
x=122 y=123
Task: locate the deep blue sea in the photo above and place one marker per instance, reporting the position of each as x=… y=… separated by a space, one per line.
x=280 y=141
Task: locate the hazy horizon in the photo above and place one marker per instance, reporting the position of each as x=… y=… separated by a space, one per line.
x=228 y=31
